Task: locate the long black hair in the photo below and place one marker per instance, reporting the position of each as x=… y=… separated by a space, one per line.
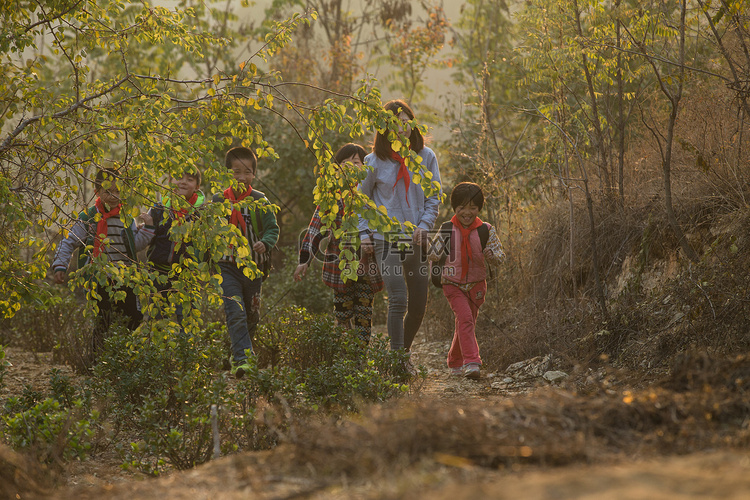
x=382 y=146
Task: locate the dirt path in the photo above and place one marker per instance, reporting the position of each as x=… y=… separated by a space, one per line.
x=440 y=383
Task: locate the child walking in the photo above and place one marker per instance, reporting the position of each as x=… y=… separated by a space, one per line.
x=389 y=184
x=262 y=232
x=468 y=243
x=352 y=300
x=101 y=228
x=162 y=252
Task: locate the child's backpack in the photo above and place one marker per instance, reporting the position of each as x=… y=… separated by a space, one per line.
x=446 y=229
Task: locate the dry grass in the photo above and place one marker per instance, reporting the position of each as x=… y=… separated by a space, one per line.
x=659 y=303
x=23 y=477
x=554 y=427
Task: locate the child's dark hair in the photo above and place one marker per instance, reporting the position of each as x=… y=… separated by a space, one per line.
x=105 y=174
x=195 y=174
x=465 y=193
x=243 y=154
x=382 y=146
x=348 y=150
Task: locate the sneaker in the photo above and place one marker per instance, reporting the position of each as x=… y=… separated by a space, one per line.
x=239 y=369
x=471 y=370
x=457 y=371
x=243 y=367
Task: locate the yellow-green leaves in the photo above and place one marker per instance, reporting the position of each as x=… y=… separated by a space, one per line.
x=242 y=252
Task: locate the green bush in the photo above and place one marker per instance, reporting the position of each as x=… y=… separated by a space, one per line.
x=50 y=430
x=310 y=363
x=61 y=425
x=161 y=384
x=62 y=388
x=29 y=398
x=176 y=427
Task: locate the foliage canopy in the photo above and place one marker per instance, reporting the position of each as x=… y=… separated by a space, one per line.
x=89 y=85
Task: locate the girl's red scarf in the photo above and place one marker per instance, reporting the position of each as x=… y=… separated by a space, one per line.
x=102 y=226
x=236 y=217
x=403 y=173
x=465 y=242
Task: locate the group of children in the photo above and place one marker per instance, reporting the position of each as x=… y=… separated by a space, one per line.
x=458 y=252
x=101 y=232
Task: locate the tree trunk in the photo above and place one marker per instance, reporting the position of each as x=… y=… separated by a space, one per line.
x=620 y=116
x=667 y=160
x=601 y=146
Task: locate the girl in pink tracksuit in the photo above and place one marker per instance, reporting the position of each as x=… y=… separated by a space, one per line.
x=467 y=243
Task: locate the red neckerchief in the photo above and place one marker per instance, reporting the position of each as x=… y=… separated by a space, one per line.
x=465 y=242
x=183 y=212
x=237 y=219
x=101 y=226
x=403 y=173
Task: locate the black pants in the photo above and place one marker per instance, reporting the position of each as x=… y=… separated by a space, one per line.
x=108 y=311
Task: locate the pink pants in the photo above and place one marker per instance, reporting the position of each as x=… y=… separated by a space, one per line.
x=465 y=306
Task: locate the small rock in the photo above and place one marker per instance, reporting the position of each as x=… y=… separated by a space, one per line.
x=553 y=376
x=530 y=368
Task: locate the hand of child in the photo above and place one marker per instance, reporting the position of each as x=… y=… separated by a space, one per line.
x=420 y=237
x=259 y=247
x=59 y=277
x=299 y=273
x=433 y=257
x=147 y=219
x=488 y=252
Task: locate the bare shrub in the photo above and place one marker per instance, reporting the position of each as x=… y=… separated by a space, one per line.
x=58 y=325
x=648 y=283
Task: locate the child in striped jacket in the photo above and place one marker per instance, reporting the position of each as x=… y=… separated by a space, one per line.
x=100 y=231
